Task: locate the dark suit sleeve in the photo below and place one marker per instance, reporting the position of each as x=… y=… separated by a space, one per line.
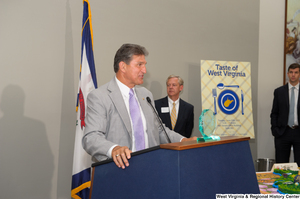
x=165 y=117
x=158 y=107
x=190 y=122
x=279 y=112
x=274 y=115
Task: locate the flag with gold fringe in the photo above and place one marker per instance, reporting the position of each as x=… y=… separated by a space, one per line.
x=81 y=178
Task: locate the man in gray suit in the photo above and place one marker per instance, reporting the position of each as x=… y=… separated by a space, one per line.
x=112 y=130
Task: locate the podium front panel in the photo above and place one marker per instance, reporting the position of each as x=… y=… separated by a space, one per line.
x=149 y=175
x=193 y=173
x=220 y=169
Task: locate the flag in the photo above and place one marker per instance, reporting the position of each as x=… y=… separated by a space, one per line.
x=81 y=178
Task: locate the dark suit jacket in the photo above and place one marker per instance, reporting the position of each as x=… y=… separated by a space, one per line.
x=280 y=110
x=185 y=118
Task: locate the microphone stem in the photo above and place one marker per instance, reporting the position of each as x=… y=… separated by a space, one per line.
x=158 y=118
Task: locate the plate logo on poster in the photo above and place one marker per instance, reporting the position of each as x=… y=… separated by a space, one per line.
x=228 y=102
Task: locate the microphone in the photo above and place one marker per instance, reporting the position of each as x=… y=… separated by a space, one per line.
x=158 y=118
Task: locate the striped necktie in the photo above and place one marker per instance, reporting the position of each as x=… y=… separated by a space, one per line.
x=173 y=116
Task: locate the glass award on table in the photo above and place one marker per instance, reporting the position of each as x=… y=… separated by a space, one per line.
x=207 y=126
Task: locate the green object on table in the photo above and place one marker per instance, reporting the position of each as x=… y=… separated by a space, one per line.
x=207 y=126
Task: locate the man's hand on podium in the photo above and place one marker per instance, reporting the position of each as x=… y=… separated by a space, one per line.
x=189 y=139
x=120 y=155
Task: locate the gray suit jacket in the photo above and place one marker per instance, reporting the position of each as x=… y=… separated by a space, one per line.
x=108 y=121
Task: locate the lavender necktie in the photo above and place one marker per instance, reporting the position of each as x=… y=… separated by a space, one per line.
x=137 y=123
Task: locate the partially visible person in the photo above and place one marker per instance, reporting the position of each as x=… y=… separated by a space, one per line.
x=119 y=119
x=175 y=113
x=285 y=118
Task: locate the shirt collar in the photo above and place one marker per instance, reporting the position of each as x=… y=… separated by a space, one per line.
x=124 y=89
x=171 y=101
x=290 y=86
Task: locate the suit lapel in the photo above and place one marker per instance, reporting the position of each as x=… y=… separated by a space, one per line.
x=166 y=116
x=151 y=123
x=286 y=96
x=142 y=100
x=147 y=111
x=181 y=112
x=115 y=96
x=298 y=104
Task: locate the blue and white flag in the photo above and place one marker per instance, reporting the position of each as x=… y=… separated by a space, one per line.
x=81 y=178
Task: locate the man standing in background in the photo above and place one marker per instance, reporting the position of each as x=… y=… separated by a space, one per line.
x=175 y=113
x=285 y=117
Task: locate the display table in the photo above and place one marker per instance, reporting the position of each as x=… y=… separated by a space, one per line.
x=265 y=182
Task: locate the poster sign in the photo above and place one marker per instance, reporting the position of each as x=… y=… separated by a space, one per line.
x=226 y=90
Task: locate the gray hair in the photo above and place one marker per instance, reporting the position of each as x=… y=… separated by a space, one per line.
x=126 y=52
x=180 y=80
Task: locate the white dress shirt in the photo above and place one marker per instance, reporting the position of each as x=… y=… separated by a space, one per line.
x=125 y=94
x=171 y=106
x=296 y=93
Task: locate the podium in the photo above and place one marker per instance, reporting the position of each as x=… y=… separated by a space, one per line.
x=182 y=170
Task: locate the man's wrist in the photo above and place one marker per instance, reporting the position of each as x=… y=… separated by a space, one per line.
x=108 y=154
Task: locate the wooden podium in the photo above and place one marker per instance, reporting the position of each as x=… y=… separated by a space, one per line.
x=180 y=170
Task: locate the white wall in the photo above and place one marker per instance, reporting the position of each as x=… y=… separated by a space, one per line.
x=270 y=74
x=32 y=43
